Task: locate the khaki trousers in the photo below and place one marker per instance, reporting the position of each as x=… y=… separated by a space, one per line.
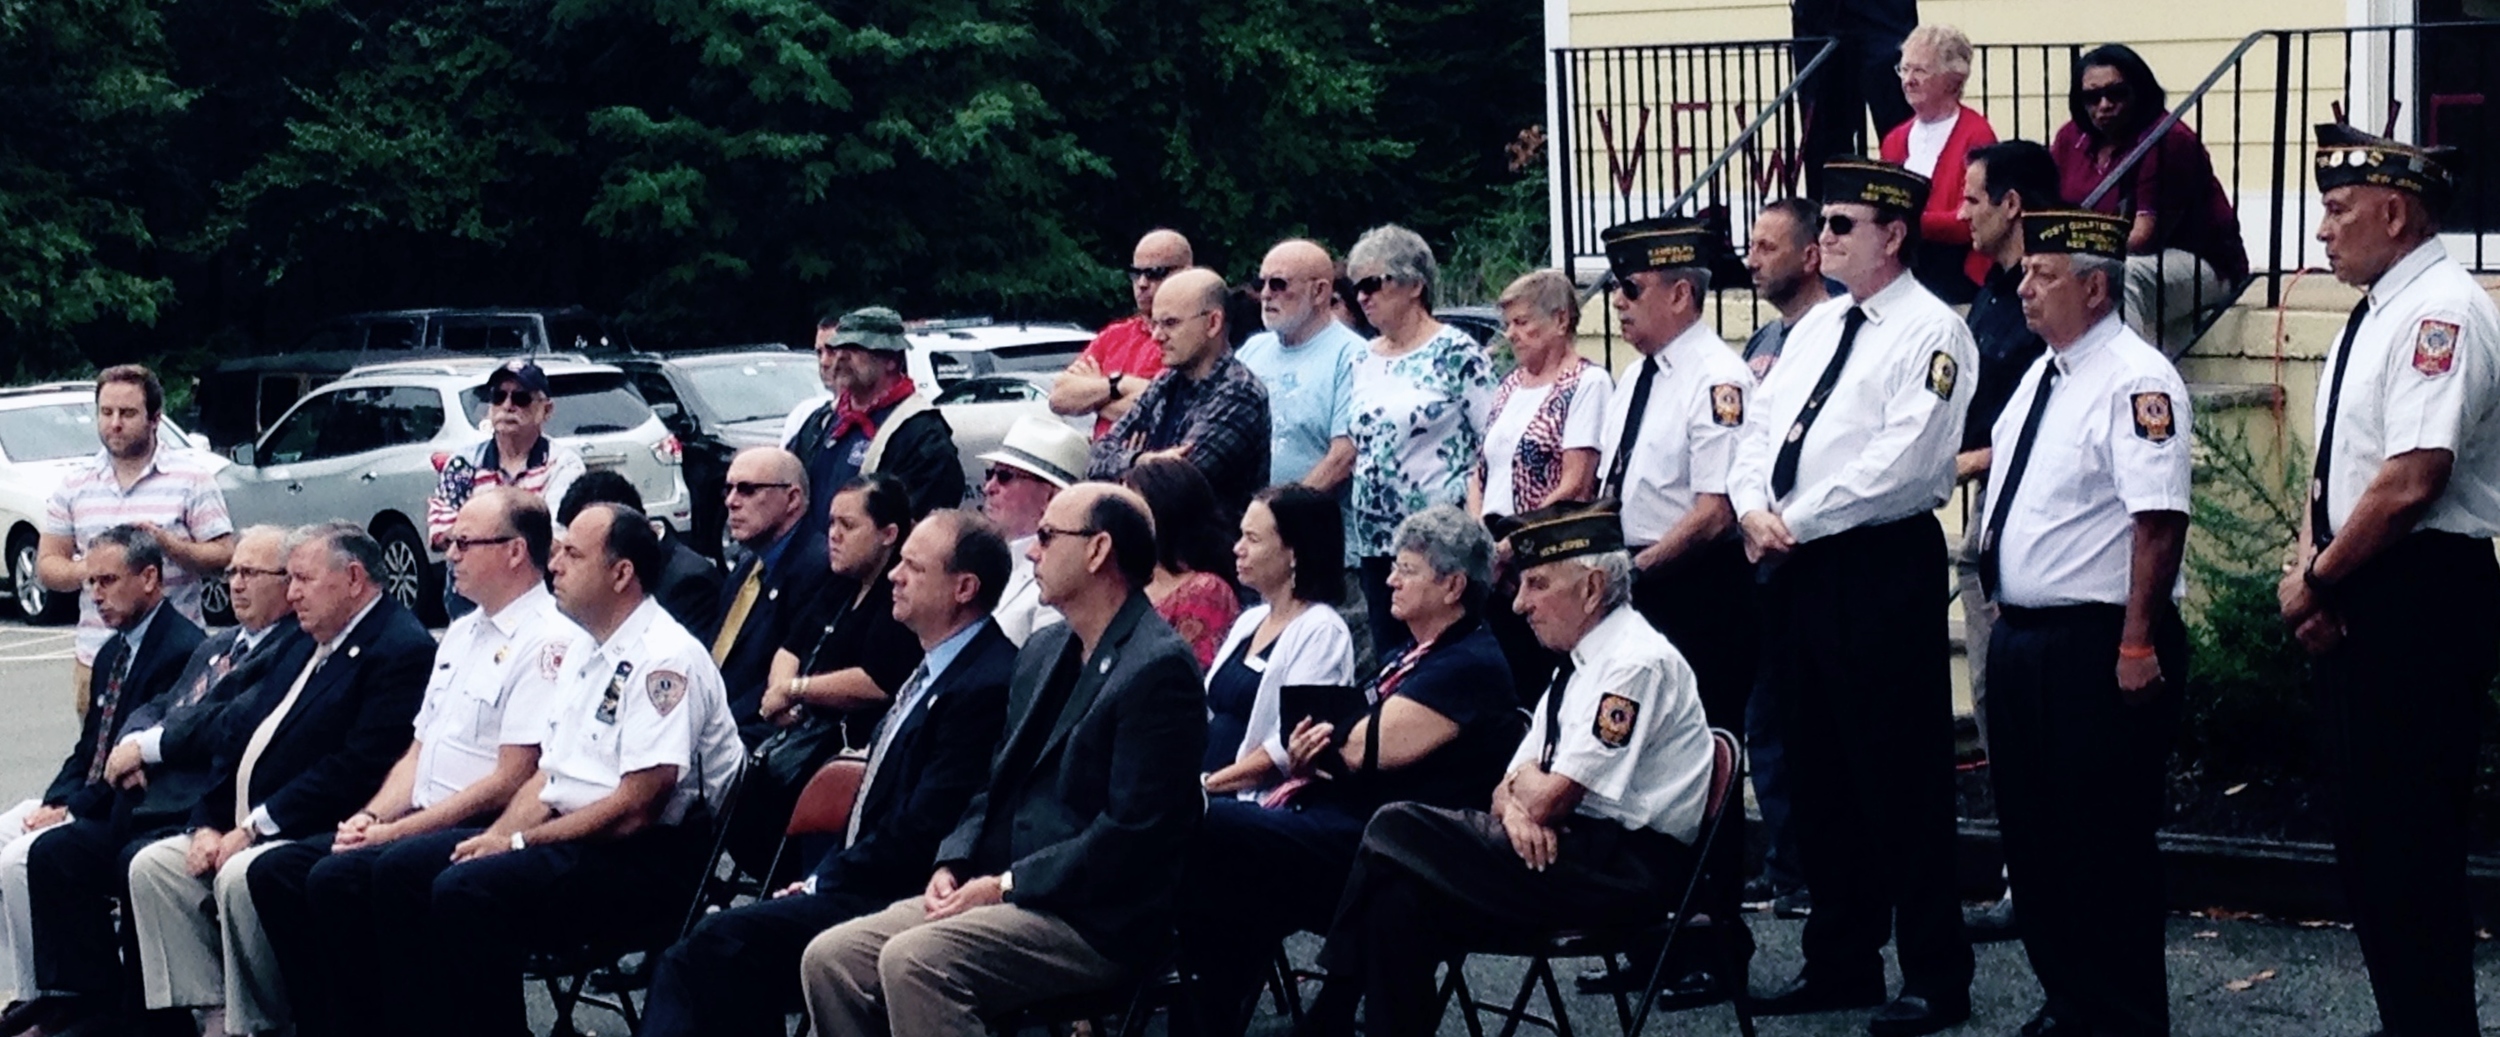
x=893 y=972
x=200 y=940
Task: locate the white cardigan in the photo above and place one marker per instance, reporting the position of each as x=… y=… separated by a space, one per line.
x=1316 y=648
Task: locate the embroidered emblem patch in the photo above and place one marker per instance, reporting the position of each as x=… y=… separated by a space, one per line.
x=551 y=660
x=1615 y=717
x=2435 y=348
x=1942 y=373
x=1727 y=404
x=2153 y=419
x=668 y=688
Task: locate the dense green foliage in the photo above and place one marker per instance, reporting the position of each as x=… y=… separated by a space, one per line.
x=214 y=174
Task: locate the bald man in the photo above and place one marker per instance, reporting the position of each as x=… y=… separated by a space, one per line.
x=1306 y=358
x=1205 y=408
x=780 y=576
x=1115 y=368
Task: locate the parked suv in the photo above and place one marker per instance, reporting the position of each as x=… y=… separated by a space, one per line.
x=719 y=402
x=370 y=448
x=45 y=431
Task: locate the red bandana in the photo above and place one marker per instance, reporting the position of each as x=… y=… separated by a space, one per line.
x=848 y=414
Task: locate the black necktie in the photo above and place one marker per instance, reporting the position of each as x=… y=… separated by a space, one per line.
x=1631 y=429
x=1784 y=470
x=1553 y=712
x=2319 y=534
x=2003 y=505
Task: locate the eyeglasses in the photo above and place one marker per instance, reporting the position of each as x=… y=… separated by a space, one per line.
x=2115 y=93
x=1005 y=476
x=515 y=397
x=1373 y=284
x=1150 y=273
x=1906 y=70
x=1172 y=324
x=234 y=572
x=749 y=489
x=1408 y=571
x=473 y=543
x=1045 y=534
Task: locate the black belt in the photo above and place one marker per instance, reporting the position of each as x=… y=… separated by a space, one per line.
x=2026 y=616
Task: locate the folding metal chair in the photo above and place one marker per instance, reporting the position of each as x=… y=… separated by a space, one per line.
x=1610 y=944
x=824 y=806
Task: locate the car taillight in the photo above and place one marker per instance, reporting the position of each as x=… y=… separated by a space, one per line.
x=668 y=451
x=440 y=459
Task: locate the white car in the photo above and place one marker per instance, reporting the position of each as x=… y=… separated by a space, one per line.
x=45 y=431
x=370 y=448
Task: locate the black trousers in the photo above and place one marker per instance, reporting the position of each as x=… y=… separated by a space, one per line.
x=2080 y=778
x=1430 y=883
x=736 y=974
x=1257 y=876
x=2402 y=701
x=1855 y=651
x=75 y=876
x=1704 y=604
x=339 y=949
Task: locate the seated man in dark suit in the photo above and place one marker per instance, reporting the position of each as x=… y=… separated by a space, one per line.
x=689 y=589
x=1063 y=874
x=731 y=977
x=295 y=759
x=780 y=576
x=125 y=567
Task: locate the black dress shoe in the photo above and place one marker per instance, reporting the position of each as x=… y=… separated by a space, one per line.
x=2047 y=1025
x=1991 y=923
x=1911 y=1015
x=1804 y=996
x=43 y=1013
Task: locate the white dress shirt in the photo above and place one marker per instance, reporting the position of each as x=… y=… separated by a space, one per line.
x=1632 y=732
x=2424 y=375
x=1020 y=611
x=646 y=697
x=1687 y=440
x=494 y=684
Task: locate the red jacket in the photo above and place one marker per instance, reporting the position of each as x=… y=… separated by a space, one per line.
x=1942 y=221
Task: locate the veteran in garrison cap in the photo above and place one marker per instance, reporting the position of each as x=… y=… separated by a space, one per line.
x=1846 y=452
x=2395 y=593
x=1595 y=824
x=2080 y=543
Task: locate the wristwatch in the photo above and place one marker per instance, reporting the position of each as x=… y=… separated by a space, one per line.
x=1006 y=882
x=520 y=841
x=1115 y=384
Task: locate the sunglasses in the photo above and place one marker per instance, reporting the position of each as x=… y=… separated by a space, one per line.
x=1630 y=288
x=749 y=489
x=515 y=397
x=1005 y=476
x=1272 y=285
x=1150 y=273
x=2115 y=93
x=1373 y=284
x=1043 y=535
x=473 y=543
x=1840 y=224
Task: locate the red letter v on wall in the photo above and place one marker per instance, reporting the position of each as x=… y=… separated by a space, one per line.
x=1624 y=173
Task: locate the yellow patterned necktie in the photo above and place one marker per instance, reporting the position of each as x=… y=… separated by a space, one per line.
x=737 y=618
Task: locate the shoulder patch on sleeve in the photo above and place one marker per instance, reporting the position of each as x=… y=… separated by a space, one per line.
x=1942 y=373
x=1727 y=404
x=2154 y=421
x=2435 y=348
x=551 y=659
x=1616 y=717
x=668 y=688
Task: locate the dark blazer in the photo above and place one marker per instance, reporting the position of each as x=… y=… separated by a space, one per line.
x=1107 y=806
x=689 y=589
x=353 y=720
x=159 y=660
x=790 y=589
x=940 y=757
x=187 y=751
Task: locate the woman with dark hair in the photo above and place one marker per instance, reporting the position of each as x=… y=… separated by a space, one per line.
x=2184 y=251
x=1441 y=725
x=1192 y=587
x=1292 y=552
x=838 y=667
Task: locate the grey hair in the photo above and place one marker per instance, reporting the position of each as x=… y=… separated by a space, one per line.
x=263 y=530
x=1450 y=542
x=1399 y=253
x=1952 y=47
x=2113 y=273
x=1546 y=293
x=1616 y=567
x=1697 y=276
x=140 y=548
x=347 y=542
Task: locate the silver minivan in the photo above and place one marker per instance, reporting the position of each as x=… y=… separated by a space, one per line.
x=370 y=448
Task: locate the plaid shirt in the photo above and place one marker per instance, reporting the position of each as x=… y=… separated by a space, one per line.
x=1221 y=424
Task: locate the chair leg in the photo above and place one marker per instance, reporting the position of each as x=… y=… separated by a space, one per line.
x=1519 y=1005
x=563 y=999
x=1288 y=990
x=1454 y=987
x=1744 y=1015
x=1553 y=998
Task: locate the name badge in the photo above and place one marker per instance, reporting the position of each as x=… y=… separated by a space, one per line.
x=1256 y=664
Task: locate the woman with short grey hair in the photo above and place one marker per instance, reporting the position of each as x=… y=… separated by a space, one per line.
x=1542 y=443
x=1422 y=400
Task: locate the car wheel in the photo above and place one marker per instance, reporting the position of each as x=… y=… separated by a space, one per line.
x=34 y=602
x=216 y=601
x=403 y=566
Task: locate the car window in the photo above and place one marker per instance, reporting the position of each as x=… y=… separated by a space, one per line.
x=277 y=393
x=991 y=390
x=576 y=334
x=1053 y=357
x=48 y=433
x=298 y=438
x=406 y=414
x=589 y=404
x=755 y=388
x=501 y=337
x=395 y=333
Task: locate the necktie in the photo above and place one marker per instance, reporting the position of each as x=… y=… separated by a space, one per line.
x=2319 y=534
x=737 y=617
x=106 y=708
x=1784 y=470
x=1553 y=712
x=267 y=730
x=2003 y=505
x=882 y=740
x=1631 y=429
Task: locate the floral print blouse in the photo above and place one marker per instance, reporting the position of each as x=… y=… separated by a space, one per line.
x=1418 y=425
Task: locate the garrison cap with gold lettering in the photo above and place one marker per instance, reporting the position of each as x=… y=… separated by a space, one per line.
x=1883 y=185
x=1558 y=531
x=2075 y=232
x=1661 y=243
x=2350 y=156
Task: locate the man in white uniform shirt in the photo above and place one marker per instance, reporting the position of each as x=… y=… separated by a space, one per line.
x=1846 y=454
x=1594 y=824
x=477 y=739
x=2395 y=592
x=2080 y=549
x=1038 y=458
